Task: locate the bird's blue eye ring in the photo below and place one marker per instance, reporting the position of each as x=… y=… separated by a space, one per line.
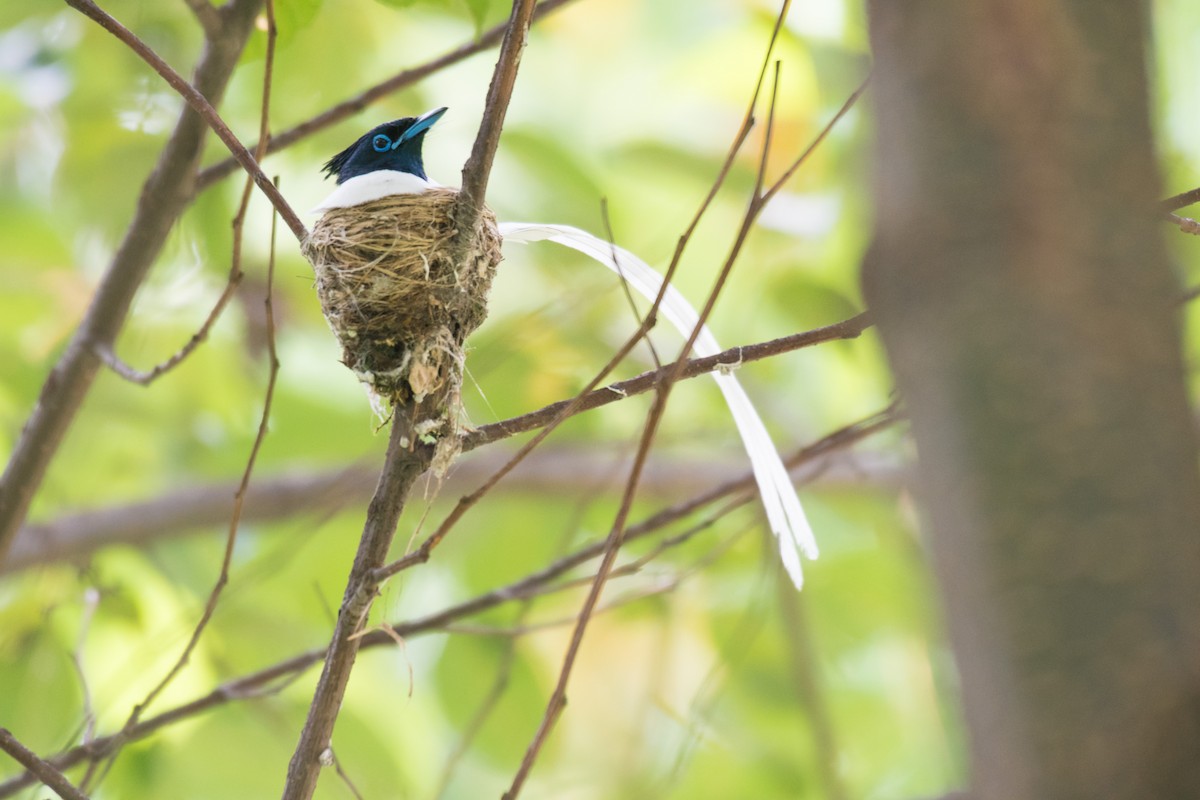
x=381 y=143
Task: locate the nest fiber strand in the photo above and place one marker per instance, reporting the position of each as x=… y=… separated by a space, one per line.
x=398 y=304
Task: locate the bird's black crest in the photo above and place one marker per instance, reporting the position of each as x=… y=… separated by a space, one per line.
x=334 y=165
x=393 y=129
x=394 y=145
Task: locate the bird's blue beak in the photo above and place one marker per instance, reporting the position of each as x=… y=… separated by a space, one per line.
x=423 y=123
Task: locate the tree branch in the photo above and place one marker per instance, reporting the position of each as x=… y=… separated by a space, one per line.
x=1181 y=200
x=402 y=466
x=404 y=462
x=201 y=106
x=42 y=770
x=469 y=206
x=728 y=359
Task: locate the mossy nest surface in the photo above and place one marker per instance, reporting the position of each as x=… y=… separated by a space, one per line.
x=398 y=304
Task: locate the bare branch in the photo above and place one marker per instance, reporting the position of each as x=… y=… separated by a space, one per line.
x=669 y=376
x=402 y=466
x=239 y=498
x=469 y=205
x=1181 y=200
x=1185 y=224
x=404 y=462
x=732 y=358
x=146 y=377
x=841 y=112
x=44 y=771
x=107 y=354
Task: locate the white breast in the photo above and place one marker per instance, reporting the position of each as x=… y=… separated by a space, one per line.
x=372 y=186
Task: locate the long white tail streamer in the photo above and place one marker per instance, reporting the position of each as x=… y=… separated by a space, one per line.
x=784 y=513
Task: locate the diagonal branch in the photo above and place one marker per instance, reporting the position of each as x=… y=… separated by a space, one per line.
x=647 y=381
x=402 y=466
x=42 y=770
x=201 y=106
x=239 y=498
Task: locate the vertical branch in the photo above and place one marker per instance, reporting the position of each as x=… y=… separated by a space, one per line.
x=478 y=168
x=402 y=466
x=405 y=460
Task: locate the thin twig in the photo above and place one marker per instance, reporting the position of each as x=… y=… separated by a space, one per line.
x=617 y=533
x=350 y=107
x=43 y=770
x=1181 y=200
x=662 y=392
x=146 y=377
x=341 y=773
x=815 y=143
x=91 y=599
x=201 y=106
x=468 y=207
x=645 y=325
x=1185 y=224
x=647 y=381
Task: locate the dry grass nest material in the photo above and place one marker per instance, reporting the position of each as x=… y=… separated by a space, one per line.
x=399 y=306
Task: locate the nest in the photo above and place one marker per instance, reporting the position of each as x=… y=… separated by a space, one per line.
x=398 y=304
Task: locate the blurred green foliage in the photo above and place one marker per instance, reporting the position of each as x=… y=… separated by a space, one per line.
x=712 y=690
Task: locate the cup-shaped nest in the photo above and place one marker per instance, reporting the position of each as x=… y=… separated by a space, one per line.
x=399 y=305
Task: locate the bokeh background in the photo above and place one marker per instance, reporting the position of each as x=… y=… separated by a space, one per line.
x=710 y=677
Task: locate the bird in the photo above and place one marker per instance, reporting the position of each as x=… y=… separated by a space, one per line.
x=387 y=160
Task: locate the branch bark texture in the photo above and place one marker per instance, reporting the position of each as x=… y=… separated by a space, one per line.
x=1021 y=287
x=402 y=466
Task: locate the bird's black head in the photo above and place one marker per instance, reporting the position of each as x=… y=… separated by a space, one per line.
x=394 y=145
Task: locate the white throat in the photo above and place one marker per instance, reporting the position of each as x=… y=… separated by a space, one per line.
x=372 y=186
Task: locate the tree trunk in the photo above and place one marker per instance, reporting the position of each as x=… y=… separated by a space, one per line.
x=1025 y=298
